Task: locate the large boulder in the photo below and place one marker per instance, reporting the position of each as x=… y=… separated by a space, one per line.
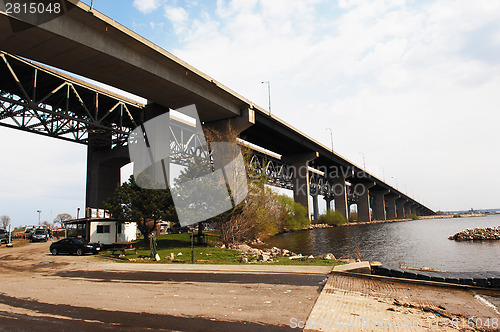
x=263 y=257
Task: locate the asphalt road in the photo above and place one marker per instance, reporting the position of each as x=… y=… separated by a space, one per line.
x=41 y=292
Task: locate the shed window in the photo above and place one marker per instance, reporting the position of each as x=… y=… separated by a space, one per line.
x=102 y=228
x=118 y=228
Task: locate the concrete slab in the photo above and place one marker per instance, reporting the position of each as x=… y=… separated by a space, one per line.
x=358 y=267
x=349 y=303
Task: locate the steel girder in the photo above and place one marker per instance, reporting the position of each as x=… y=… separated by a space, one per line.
x=279 y=174
x=37 y=99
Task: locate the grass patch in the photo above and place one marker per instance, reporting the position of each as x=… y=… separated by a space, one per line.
x=17 y=243
x=180 y=246
x=212 y=253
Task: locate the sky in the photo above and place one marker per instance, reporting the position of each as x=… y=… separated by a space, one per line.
x=411 y=89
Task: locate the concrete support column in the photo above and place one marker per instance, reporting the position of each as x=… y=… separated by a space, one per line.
x=379 y=212
x=408 y=209
x=328 y=201
x=103 y=168
x=236 y=125
x=364 y=208
x=390 y=201
x=340 y=195
x=400 y=207
x=301 y=185
x=315 y=207
x=419 y=211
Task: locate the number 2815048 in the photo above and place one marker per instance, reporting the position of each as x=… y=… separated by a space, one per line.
x=32 y=8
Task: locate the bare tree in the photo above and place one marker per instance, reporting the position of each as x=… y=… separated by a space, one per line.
x=62 y=218
x=5 y=221
x=47 y=224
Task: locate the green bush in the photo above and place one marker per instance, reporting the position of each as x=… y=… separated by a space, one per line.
x=413 y=216
x=294 y=215
x=332 y=218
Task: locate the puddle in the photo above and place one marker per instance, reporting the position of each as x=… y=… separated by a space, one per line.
x=42 y=263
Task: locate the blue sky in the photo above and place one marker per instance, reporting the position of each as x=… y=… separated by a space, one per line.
x=411 y=85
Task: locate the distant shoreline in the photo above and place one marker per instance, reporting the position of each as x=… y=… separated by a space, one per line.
x=446 y=216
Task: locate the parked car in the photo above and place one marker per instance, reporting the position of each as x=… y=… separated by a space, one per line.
x=28 y=232
x=4 y=236
x=74 y=246
x=40 y=234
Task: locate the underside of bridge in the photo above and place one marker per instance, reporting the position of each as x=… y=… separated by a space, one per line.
x=44 y=101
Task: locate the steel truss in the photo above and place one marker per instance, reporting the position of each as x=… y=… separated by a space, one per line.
x=279 y=174
x=37 y=99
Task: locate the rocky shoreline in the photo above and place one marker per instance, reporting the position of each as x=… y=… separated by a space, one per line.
x=475 y=234
x=268 y=255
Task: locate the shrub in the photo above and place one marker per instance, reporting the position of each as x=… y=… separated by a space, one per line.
x=332 y=218
x=413 y=216
x=294 y=215
x=354 y=216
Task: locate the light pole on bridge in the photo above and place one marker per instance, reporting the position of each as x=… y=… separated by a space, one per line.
x=331 y=136
x=364 y=163
x=395 y=178
x=268 y=93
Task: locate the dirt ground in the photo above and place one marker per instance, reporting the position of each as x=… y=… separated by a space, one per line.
x=41 y=292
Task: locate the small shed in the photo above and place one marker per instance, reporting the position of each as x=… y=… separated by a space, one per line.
x=102 y=230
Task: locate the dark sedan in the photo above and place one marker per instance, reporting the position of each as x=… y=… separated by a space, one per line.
x=74 y=246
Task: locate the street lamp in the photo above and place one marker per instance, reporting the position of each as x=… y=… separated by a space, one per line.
x=331 y=136
x=393 y=177
x=39 y=212
x=383 y=173
x=364 y=164
x=268 y=93
x=77 y=213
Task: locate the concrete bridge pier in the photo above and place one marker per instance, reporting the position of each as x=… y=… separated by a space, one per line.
x=400 y=206
x=328 y=200
x=364 y=208
x=408 y=205
x=390 y=201
x=236 y=125
x=340 y=195
x=413 y=209
x=315 y=206
x=103 y=168
x=379 y=212
x=301 y=184
x=419 y=211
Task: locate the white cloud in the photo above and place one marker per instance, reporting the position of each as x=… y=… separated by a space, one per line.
x=396 y=80
x=176 y=15
x=147 y=6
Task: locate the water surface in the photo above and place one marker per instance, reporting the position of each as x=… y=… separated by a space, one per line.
x=415 y=243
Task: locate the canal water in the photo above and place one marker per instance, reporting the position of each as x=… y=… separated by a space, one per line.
x=415 y=243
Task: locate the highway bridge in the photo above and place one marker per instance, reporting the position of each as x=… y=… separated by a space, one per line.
x=38 y=99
